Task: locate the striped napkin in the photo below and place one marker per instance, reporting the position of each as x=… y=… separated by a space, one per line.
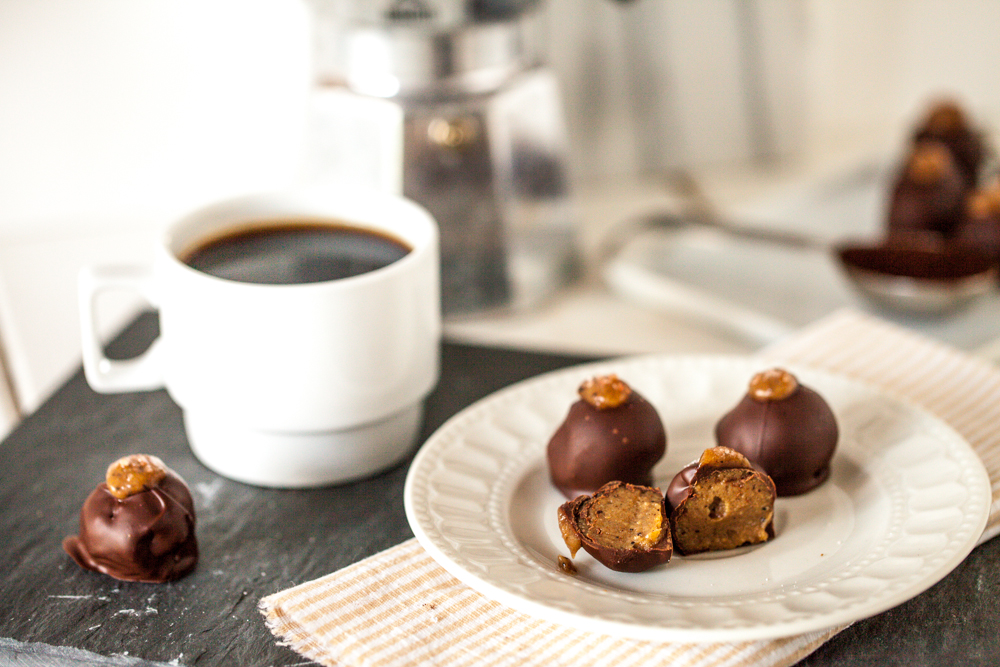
x=400 y=607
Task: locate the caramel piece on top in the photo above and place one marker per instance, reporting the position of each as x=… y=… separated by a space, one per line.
x=722 y=457
x=772 y=385
x=928 y=164
x=985 y=202
x=605 y=392
x=129 y=475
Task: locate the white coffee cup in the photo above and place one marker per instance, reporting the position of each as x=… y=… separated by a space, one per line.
x=286 y=385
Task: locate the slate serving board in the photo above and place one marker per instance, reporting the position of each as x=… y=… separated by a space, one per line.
x=257 y=541
x=253 y=541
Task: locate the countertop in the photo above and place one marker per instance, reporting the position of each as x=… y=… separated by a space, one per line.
x=253 y=541
x=257 y=541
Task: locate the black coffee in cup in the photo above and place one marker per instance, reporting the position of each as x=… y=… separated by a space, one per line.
x=293 y=252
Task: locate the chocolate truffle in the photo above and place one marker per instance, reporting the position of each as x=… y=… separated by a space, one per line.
x=720 y=502
x=623 y=526
x=980 y=227
x=611 y=434
x=785 y=428
x=928 y=195
x=137 y=525
x=947 y=123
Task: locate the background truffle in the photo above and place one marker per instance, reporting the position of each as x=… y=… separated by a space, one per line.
x=929 y=193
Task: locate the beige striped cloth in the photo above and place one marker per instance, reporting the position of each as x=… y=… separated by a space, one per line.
x=400 y=607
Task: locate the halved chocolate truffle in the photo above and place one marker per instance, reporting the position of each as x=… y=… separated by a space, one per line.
x=785 y=428
x=720 y=502
x=623 y=526
x=137 y=525
x=610 y=434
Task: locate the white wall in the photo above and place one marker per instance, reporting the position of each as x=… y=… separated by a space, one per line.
x=117 y=115
x=117 y=109
x=872 y=65
x=113 y=108
x=658 y=83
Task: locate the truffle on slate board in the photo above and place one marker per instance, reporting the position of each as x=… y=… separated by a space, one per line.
x=137 y=525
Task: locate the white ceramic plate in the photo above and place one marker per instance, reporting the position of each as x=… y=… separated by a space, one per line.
x=906 y=501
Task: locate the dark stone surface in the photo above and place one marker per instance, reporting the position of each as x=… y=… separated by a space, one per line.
x=955 y=622
x=255 y=542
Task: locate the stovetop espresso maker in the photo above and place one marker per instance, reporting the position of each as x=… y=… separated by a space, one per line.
x=449 y=103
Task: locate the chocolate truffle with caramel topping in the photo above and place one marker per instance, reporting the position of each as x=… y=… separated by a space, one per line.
x=785 y=428
x=623 y=526
x=137 y=525
x=929 y=193
x=947 y=123
x=980 y=227
x=611 y=434
x=720 y=502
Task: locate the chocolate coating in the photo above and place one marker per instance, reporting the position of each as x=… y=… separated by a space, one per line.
x=792 y=439
x=939 y=261
x=148 y=536
x=594 y=446
x=680 y=486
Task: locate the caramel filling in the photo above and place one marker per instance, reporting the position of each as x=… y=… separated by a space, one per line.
x=627 y=518
x=728 y=508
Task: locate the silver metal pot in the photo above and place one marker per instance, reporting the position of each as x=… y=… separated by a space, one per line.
x=482 y=143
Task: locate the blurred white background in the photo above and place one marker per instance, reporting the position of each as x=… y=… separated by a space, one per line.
x=118 y=115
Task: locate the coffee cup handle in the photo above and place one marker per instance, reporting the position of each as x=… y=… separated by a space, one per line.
x=107 y=376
